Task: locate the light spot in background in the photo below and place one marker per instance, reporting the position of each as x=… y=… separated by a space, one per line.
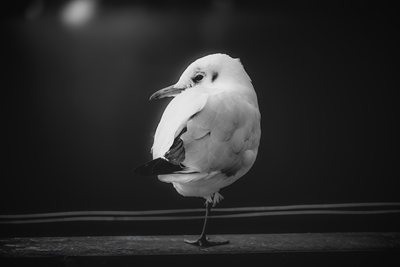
x=78 y=12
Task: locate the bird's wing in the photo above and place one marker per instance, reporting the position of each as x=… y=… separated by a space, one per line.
x=218 y=136
x=211 y=136
x=168 y=150
x=169 y=163
x=175 y=118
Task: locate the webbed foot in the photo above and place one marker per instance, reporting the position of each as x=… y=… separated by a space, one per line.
x=204 y=242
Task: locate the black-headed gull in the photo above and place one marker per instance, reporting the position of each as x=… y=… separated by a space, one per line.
x=209 y=134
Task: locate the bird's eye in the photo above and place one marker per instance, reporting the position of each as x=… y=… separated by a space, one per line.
x=197 y=78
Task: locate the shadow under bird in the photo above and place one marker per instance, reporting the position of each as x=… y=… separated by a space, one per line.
x=209 y=134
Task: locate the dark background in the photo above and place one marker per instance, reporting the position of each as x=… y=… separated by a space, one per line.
x=76 y=118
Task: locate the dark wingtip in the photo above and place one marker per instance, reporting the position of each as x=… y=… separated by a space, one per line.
x=156 y=167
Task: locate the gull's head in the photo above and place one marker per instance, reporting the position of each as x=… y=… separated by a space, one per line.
x=210 y=71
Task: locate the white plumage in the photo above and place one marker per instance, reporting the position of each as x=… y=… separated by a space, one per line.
x=222 y=121
x=209 y=134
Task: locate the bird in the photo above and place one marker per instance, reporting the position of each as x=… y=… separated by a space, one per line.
x=209 y=134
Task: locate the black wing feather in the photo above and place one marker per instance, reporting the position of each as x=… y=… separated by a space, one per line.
x=170 y=163
x=156 y=167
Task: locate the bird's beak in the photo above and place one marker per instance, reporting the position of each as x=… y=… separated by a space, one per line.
x=166 y=92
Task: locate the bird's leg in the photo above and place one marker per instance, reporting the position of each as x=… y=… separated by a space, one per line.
x=203 y=241
x=203 y=237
